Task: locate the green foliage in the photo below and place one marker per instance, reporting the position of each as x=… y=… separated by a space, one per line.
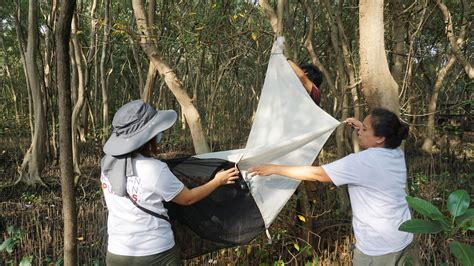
x=460 y=221
x=424 y=207
x=30 y=198
x=421 y=226
x=14 y=237
x=464 y=253
x=458 y=203
x=313 y=262
x=26 y=261
x=466 y=220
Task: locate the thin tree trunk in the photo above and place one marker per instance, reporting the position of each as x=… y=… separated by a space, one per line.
x=22 y=43
x=152 y=73
x=48 y=80
x=103 y=74
x=150 y=83
x=36 y=160
x=141 y=85
x=408 y=75
x=88 y=65
x=343 y=87
x=399 y=19
x=430 y=125
x=65 y=142
x=176 y=87
x=349 y=69
x=453 y=40
x=74 y=74
x=9 y=76
x=80 y=95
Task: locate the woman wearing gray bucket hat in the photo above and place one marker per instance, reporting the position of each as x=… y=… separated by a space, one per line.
x=135 y=185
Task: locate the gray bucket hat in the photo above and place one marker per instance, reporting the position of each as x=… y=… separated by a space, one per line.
x=134 y=124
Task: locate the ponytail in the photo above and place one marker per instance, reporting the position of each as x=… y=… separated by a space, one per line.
x=387 y=124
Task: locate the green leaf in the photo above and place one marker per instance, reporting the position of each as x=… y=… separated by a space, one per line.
x=421 y=226
x=10 y=230
x=5 y=244
x=59 y=262
x=458 y=202
x=26 y=261
x=424 y=208
x=464 y=253
x=10 y=244
x=297 y=247
x=466 y=221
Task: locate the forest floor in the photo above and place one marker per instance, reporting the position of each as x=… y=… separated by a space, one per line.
x=35 y=212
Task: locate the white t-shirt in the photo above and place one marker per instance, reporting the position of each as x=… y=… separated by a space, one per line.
x=376 y=180
x=133 y=232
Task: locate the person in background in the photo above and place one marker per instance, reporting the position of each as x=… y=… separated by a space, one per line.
x=135 y=185
x=311 y=78
x=376 y=179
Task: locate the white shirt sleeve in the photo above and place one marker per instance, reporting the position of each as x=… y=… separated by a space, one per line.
x=345 y=170
x=168 y=185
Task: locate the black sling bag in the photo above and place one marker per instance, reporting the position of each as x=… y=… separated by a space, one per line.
x=147 y=210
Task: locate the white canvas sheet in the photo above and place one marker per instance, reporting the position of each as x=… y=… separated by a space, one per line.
x=289 y=128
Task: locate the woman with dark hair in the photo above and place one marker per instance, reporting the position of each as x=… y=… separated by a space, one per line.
x=311 y=78
x=136 y=185
x=376 y=179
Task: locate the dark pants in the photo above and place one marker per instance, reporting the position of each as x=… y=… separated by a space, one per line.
x=169 y=257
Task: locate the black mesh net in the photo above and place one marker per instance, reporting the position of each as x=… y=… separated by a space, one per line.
x=228 y=217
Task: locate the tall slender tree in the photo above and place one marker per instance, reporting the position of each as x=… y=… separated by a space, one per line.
x=174 y=84
x=63 y=34
x=35 y=156
x=103 y=73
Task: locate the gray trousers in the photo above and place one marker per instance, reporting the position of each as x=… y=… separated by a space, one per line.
x=169 y=257
x=402 y=257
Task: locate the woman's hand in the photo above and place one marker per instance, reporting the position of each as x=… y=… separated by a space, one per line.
x=263 y=170
x=225 y=177
x=354 y=123
x=191 y=196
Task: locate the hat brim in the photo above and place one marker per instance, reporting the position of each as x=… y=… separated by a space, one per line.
x=120 y=145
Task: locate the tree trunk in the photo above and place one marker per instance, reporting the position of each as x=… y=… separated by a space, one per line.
x=79 y=104
x=88 y=65
x=134 y=47
x=152 y=73
x=378 y=85
x=453 y=41
x=192 y=116
x=6 y=65
x=103 y=74
x=399 y=45
x=36 y=161
x=48 y=81
x=150 y=83
x=350 y=72
x=21 y=45
x=65 y=142
x=308 y=43
x=430 y=124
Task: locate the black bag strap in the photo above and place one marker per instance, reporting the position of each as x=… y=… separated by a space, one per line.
x=147 y=210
